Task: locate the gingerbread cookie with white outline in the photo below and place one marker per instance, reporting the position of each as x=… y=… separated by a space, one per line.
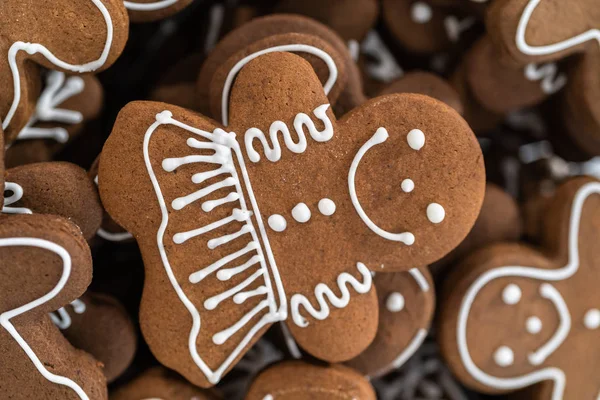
x=537 y=311
x=80 y=36
x=396 y=182
x=45 y=264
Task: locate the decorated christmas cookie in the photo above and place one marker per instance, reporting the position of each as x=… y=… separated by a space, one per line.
x=160 y=383
x=296 y=380
x=73 y=37
x=152 y=10
x=65 y=104
x=514 y=317
x=99 y=325
x=406 y=305
x=45 y=265
x=56 y=188
x=219 y=214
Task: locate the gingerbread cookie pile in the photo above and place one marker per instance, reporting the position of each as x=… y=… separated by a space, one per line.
x=284 y=200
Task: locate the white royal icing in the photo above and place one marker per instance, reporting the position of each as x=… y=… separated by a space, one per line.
x=525 y=48
x=156 y=5
x=36 y=48
x=300 y=48
x=63 y=319
x=385 y=68
x=552 y=81
x=416 y=139
x=455 y=27
x=225 y=148
x=395 y=302
x=511 y=294
x=591 y=320
x=326 y=207
x=435 y=213
x=322 y=291
x=380 y=136
x=421 y=12
x=533 y=325
x=407 y=185
x=301 y=213
x=17 y=194
x=58 y=89
x=273 y=152
x=547 y=291
x=504 y=356
x=277 y=223
x=6 y=316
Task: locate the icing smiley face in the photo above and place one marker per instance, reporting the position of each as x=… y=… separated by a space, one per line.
x=217 y=197
x=535 y=312
x=41 y=37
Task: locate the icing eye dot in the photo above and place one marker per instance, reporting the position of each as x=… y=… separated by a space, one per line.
x=435 y=213
x=504 y=356
x=407 y=185
x=511 y=294
x=591 y=320
x=420 y=12
x=533 y=325
x=301 y=213
x=395 y=302
x=277 y=223
x=416 y=139
x=326 y=206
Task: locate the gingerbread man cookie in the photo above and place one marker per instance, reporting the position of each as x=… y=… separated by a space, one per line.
x=296 y=380
x=153 y=10
x=406 y=305
x=45 y=264
x=99 y=325
x=70 y=36
x=56 y=188
x=515 y=317
x=397 y=182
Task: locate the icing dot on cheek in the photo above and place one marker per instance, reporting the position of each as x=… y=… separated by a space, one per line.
x=416 y=139
x=591 y=320
x=504 y=356
x=420 y=12
x=326 y=206
x=301 y=213
x=511 y=294
x=277 y=223
x=407 y=185
x=395 y=302
x=533 y=325
x=435 y=213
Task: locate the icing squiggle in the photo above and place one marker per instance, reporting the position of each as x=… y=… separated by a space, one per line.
x=5 y=317
x=17 y=194
x=36 y=48
x=323 y=291
x=157 y=5
x=273 y=151
x=63 y=319
x=552 y=81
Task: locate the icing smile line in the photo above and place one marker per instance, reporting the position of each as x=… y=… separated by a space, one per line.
x=551 y=293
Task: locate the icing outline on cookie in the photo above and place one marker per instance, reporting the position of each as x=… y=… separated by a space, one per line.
x=6 y=316
x=35 y=48
x=300 y=48
x=17 y=195
x=549 y=373
x=227 y=143
x=157 y=5
x=550 y=48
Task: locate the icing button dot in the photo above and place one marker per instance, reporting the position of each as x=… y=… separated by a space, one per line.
x=533 y=325
x=421 y=12
x=407 y=185
x=435 y=213
x=277 y=223
x=416 y=139
x=326 y=207
x=591 y=320
x=504 y=356
x=301 y=213
x=395 y=302
x=511 y=294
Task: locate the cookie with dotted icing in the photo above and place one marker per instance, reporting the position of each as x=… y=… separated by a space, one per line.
x=45 y=264
x=351 y=19
x=296 y=380
x=99 y=325
x=57 y=188
x=83 y=36
x=160 y=383
x=406 y=306
x=536 y=309
x=65 y=104
x=219 y=217
x=322 y=45
x=154 y=10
